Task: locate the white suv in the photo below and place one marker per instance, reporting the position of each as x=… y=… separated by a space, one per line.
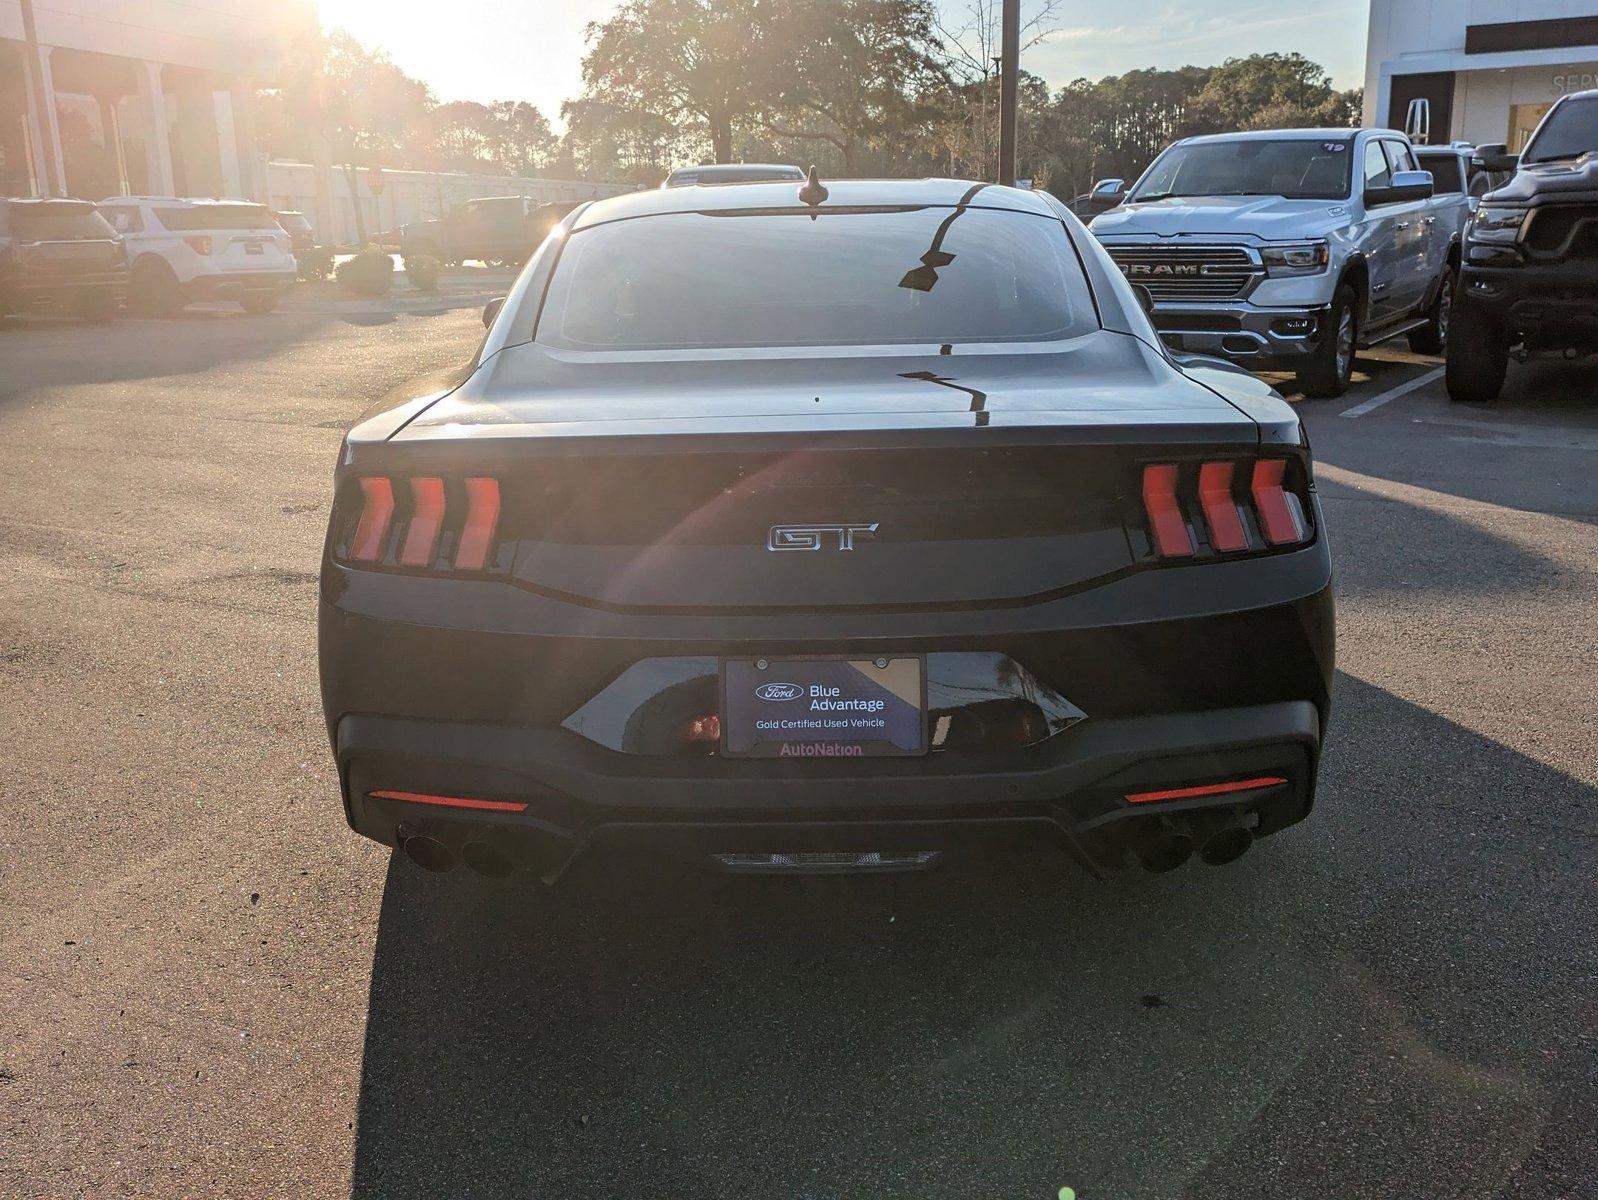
x=180 y=250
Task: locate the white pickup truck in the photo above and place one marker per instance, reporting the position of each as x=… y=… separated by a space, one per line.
x=1288 y=249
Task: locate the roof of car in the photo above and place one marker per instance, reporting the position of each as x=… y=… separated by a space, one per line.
x=1283 y=135
x=740 y=166
x=841 y=193
x=184 y=201
x=46 y=201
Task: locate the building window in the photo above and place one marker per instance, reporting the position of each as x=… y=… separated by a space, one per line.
x=1523 y=119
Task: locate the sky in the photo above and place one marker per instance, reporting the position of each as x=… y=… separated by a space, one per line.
x=532 y=49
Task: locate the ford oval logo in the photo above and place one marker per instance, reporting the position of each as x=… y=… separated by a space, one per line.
x=779 y=691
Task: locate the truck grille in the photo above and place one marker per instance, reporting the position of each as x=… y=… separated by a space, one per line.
x=1188 y=272
x=1563 y=231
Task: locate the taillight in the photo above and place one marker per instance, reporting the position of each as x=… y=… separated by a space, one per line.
x=1281 y=513
x=1224 y=506
x=427 y=522
x=424 y=521
x=198 y=242
x=377 y=512
x=1171 y=538
x=482 y=520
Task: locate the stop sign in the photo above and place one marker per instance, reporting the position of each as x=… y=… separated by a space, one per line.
x=374 y=180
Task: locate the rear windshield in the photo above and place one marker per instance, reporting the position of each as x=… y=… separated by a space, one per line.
x=1446 y=173
x=216 y=216
x=58 y=222
x=1296 y=169
x=1569 y=131
x=929 y=275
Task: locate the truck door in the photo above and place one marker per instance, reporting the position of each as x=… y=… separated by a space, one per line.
x=1379 y=240
x=1415 y=234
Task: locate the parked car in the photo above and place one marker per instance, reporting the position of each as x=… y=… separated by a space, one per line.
x=1289 y=249
x=295 y=224
x=715 y=173
x=1457 y=170
x=60 y=255
x=182 y=249
x=901 y=520
x=491 y=229
x=1530 y=283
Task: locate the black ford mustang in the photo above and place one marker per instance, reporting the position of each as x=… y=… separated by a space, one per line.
x=826 y=528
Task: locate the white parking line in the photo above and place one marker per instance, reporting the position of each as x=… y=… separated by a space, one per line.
x=1403 y=389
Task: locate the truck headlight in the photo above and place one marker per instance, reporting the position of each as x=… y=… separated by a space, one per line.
x=1497 y=224
x=1306 y=258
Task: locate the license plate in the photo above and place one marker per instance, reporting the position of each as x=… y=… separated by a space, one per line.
x=832 y=707
x=255 y=247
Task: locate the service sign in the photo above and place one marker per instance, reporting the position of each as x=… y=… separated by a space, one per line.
x=823 y=707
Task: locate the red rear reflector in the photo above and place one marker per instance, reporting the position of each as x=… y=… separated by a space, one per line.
x=1279 y=516
x=1207 y=789
x=482 y=519
x=1165 y=515
x=1220 y=510
x=377 y=510
x=427 y=522
x=200 y=244
x=705 y=729
x=451 y=801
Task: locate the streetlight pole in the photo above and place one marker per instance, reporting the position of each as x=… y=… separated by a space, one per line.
x=1010 y=50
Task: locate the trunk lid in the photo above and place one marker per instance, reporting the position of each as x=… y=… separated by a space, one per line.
x=852 y=480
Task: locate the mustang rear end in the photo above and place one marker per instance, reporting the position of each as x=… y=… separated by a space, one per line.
x=793 y=532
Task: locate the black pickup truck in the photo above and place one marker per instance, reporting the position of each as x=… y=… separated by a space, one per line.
x=1530 y=279
x=490 y=229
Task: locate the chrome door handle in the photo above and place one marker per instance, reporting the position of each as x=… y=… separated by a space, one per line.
x=1429 y=221
x=1402 y=225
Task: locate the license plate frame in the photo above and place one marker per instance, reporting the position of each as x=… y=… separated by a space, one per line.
x=899 y=728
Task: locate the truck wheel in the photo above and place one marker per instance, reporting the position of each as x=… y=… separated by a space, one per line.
x=1327 y=370
x=1478 y=355
x=153 y=290
x=1432 y=337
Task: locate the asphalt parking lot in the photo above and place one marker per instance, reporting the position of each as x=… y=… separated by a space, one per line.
x=209 y=987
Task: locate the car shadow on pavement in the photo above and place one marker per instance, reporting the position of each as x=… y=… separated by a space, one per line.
x=1004 y=1028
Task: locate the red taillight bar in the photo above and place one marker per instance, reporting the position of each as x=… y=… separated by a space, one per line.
x=1280 y=520
x=482 y=519
x=427 y=522
x=377 y=510
x=1206 y=789
x=451 y=801
x=1166 y=522
x=1220 y=510
x=200 y=243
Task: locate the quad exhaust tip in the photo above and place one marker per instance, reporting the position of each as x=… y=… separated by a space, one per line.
x=1218 y=837
x=429 y=852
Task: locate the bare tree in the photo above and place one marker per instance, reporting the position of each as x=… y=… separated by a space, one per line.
x=971 y=38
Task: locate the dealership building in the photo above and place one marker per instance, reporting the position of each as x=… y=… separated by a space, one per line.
x=1488 y=71
x=102 y=97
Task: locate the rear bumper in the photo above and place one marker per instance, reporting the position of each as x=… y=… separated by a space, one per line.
x=1241 y=332
x=235 y=283
x=1186 y=677
x=55 y=291
x=1070 y=792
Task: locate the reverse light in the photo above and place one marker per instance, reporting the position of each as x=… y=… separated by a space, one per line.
x=198 y=242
